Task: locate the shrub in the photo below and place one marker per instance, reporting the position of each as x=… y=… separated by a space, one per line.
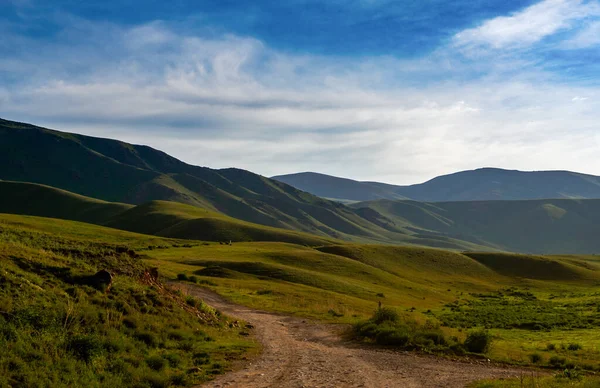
x=130 y=323
x=385 y=314
x=85 y=347
x=535 y=358
x=174 y=359
x=574 y=347
x=478 y=341
x=182 y=277
x=179 y=380
x=392 y=336
x=550 y=347
x=193 y=279
x=177 y=335
x=557 y=362
x=264 y=292
x=156 y=362
x=147 y=337
x=191 y=301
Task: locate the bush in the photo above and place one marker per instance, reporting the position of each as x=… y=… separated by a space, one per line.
x=392 y=336
x=574 y=347
x=385 y=314
x=85 y=347
x=147 y=337
x=478 y=341
x=535 y=358
x=557 y=362
x=191 y=301
x=156 y=362
x=193 y=279
x=174 y=359
x=182 y=277
x=550 y=347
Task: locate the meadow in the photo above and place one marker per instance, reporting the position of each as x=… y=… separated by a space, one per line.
x=534 y=310
x=543 y=312
x=59 y=328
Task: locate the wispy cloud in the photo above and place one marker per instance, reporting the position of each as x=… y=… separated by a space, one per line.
x=227 y=100
x=528 y=26
x=589 y=36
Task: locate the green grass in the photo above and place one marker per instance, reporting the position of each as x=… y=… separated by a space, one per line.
x=451 y=293
x=564 y=379
x=543 y=226
x=523 y=309
x=57 y=329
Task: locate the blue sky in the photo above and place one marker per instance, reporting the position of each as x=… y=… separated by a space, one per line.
x=397 y=91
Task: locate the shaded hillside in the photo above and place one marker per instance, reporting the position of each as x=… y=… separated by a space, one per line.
x=474 y=185
x=177 y=220
x=160 y=218
x=174 y=219
x=45 y=201
x=540 y=226
x=116 y=171
x=327 y=186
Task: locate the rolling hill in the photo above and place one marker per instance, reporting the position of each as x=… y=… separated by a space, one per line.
x=114 y=171
x=140 y=189
x=535 y=226
x=158 y=218
x=475 y=185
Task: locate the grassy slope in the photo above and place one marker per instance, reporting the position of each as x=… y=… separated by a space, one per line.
x=56 y=330
x=543 y=226
x=171 y=219
x=117 y=171
x=45 y=201
x=167 y=219
x=185 y=221
x=344 y=282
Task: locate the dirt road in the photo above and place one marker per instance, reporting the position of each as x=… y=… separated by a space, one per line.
x=299 y=353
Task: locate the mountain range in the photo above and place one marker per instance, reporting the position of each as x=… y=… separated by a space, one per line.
x=55 y=174
x=483 y=184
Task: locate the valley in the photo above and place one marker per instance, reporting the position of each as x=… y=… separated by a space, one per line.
x=250 y=266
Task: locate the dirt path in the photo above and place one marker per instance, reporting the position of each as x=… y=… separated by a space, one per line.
x=299 y=353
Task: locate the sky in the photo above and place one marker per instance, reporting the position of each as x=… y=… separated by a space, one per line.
x=379 y=90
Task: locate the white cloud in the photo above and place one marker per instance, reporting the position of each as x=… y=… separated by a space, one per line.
x=587 y=37
x=527 y=26
x=232 y=101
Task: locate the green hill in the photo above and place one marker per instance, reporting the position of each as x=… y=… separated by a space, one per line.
x=474 y=185
x=552 y=299
x=46 y=201
x=161 y=218
x=536 y=226
x=62 y=327
x=115 y=171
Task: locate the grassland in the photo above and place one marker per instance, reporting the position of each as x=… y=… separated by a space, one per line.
x=59 y=328
x=539 y=310
x=546 y=305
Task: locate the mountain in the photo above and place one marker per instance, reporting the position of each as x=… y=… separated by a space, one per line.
x=139 y=189
x=327 y=186
x=158 y=218
x=475 y=185
x=114 y=171
x=533 y=226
